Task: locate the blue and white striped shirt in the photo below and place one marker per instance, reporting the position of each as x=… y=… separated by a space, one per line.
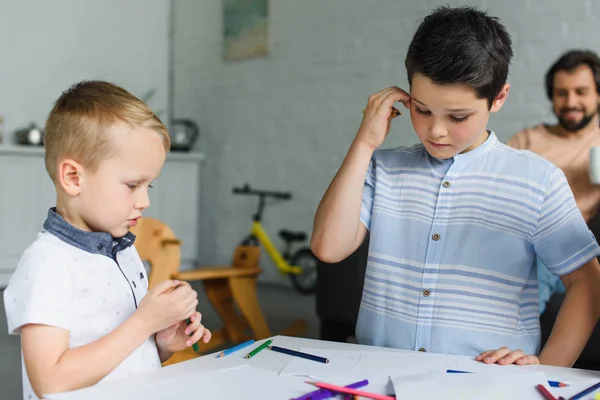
x=453 y=245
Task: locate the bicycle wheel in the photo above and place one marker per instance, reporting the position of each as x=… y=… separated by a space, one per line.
x=306 y=281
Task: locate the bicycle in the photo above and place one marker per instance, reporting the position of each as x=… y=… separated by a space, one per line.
x=301 y=265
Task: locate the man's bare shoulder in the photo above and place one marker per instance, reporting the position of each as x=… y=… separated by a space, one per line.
x=525 y=137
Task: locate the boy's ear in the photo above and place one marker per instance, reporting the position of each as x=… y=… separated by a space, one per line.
x=70 y=176
x=500 y=98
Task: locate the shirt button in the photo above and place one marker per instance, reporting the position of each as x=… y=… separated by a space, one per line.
x=435 y=236
x=446 y=184
x=100 y=247
x=422 y=349
x=426 y=292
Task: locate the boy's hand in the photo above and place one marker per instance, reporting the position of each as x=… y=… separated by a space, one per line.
x=167 y=304
x=177 y=337
x=379 y=114
x=504 y=356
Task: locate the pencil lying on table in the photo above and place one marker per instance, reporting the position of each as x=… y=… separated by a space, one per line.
x=235 y=348
x=320 y=394
x=299 y=354
x=344 y=390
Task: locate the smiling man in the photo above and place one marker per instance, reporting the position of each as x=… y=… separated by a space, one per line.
x=573 y=86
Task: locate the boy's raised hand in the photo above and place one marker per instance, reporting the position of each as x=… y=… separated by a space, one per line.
x=177 y=337
x=505 y=356
x=167 y=304
x=379 y=114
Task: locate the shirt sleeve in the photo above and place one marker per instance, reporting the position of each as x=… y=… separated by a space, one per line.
x=366 y=209
x=562 y=240
x=40 y=290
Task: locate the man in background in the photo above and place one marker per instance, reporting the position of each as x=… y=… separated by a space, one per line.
x=573 y=86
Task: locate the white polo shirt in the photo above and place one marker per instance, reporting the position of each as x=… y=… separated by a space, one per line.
x=85 y=282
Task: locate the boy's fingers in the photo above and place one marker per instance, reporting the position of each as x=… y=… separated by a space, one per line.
x=528 y=360
x=198 y=334
x=483 y=355
x=496 y=355
x=167 y=285
x=511 y=357
x=206 y=336
x=401 y=96
x=193 y=326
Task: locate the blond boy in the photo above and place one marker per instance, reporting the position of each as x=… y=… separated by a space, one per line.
x=79 y=296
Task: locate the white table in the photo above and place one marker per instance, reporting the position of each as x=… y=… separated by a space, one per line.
x=275 y=362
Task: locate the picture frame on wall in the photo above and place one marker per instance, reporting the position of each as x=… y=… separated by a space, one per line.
x=245 y=29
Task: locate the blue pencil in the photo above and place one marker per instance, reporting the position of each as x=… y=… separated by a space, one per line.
x=550 y=383
x=299 y=354
x=587 y=391
x=235 y=348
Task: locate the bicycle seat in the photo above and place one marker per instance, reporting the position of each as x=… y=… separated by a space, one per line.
x=291 y=236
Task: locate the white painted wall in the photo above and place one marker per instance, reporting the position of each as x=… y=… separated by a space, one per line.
x=285 y=121
x=46 y=46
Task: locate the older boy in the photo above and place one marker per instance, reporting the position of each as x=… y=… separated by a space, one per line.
x=79 y=295
x=456 y=222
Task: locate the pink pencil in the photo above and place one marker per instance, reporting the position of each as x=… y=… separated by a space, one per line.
x=341 y=389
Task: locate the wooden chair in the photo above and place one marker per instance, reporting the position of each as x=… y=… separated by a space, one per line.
x=229 y=288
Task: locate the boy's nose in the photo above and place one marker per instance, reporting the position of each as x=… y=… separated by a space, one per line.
x=438 y=130
x=142 y=201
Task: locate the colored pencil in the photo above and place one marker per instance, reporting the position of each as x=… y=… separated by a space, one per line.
x=550 y=383
x=258 y=349
x=320 y=394
x=195 y=345
x=557 y=384
x=343 y=390
x=544 y=392
x=299 y=354
x=235 y=348
x=586 y=391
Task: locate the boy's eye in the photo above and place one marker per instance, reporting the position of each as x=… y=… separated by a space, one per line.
x=459 y=119
x=133 y=185
x=422 y=112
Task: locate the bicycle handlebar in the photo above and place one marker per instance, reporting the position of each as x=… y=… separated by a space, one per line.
x=246 y=190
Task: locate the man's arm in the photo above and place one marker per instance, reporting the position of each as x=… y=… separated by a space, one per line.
x=52 y=367
x=578 y=315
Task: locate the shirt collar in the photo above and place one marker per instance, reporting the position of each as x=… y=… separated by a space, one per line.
x=92 y=242
x=480 y=150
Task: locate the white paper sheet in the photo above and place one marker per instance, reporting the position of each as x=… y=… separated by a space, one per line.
x=236 y=383
x=475 y=386
x=368 y=365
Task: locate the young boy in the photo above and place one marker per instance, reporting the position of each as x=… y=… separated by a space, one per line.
x=79 y=295
x=457 y=221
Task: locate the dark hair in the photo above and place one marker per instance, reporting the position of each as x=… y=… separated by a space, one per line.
x=568 y=62
x=461 y=45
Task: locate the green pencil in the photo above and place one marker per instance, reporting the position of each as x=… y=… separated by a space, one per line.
x=195 y=345
x=258 y=349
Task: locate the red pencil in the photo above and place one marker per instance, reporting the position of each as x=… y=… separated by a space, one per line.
x=547 y=395
x=341 y=389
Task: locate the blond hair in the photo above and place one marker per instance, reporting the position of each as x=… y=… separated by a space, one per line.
x=77 y=125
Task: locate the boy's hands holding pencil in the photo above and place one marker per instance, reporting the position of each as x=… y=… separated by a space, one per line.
x=164 y=311
x=181 y=335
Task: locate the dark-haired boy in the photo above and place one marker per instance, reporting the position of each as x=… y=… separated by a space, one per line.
x=457 y=221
